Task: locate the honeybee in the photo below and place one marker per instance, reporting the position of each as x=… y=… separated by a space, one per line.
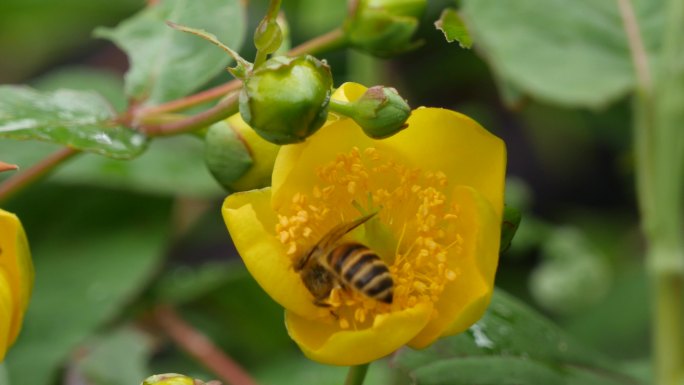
x=350 y=265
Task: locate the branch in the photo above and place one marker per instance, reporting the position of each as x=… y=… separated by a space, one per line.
x=200 y=347
x=636 y=46
x=326 y=42
x=7 y=167
x=222 y=110
x=329 y=41
x=21 y=180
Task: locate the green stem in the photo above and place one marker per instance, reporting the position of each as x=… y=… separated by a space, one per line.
x=356 y=374
x=268 y=21
x=669 y=351
x=342 y=108
x=659 y=148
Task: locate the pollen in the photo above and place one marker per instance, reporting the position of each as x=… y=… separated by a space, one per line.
x=415 y=231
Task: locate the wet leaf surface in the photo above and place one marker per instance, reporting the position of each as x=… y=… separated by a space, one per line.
x=79 y=119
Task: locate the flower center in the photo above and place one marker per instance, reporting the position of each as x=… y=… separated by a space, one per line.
x=413 y=232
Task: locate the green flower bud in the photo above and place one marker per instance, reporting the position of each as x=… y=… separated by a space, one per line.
x=286 y=99
x=268 y=36
x=381 y=112
x=169 y=379
x=383 y=27
x=237 y=157
x=509 y=226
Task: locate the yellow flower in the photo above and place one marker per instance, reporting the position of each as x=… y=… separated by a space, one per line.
x=16 y=278
x=437 y=188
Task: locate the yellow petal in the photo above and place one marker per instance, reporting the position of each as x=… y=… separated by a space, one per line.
x=349 y=92
x=439 y=139
x=295 y=166
x=251 y=223
x=327 y=343
x=6 y=307
x=17 y=271
x=465 y=299
x=342 y=137
x=436 y=140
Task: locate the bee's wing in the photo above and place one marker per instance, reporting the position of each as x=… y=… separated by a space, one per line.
x=330 y=238
x=340 y=230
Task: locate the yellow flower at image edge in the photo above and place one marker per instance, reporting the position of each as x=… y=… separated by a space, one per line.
x=16 y=278
x=437 y=191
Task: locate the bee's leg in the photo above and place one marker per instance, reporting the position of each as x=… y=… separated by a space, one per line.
x=332 y=313
x=321 y=302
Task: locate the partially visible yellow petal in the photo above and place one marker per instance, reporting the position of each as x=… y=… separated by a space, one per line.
x=439 y=139
x=349 y=92
x=465 y=299
x=6 y=307
x=263 y=155
x=327 y=343
x=251 y=223
x=17 y=271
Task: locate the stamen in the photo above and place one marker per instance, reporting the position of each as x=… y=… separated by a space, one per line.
x=412 y=205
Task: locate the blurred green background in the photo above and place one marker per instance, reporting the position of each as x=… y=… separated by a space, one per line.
x=113 y=239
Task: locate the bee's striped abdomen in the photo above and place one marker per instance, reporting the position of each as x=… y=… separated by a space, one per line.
x=360 y=268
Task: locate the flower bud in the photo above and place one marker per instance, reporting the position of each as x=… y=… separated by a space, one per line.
x=286 y=99
x=168 y=379
x=383 y=27
x=237 y=157
x=174 y=379
x=509 y=226
x=381 y=112
x=268 y=36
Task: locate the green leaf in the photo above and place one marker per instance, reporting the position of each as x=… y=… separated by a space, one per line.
x=105 y=83
x=573 y=274
x=170 y=166
x=92 y=257
x=511 y=344
x=451 y=24
x=78 y=119
x=118 y=358
x=168 y=64
x=573 y=53
x=46 y=33
x=4 y=380
x=487 y=371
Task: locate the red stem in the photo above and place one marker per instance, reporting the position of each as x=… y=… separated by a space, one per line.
x=19 y=181
x=331 y=40
x=200 y=347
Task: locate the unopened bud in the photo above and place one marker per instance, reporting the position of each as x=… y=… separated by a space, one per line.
x=383 y=27
x=268 y=36
x=509 y=226
x=286 y=99
x=381 y=112
x=168 y=379
x=237 y=157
